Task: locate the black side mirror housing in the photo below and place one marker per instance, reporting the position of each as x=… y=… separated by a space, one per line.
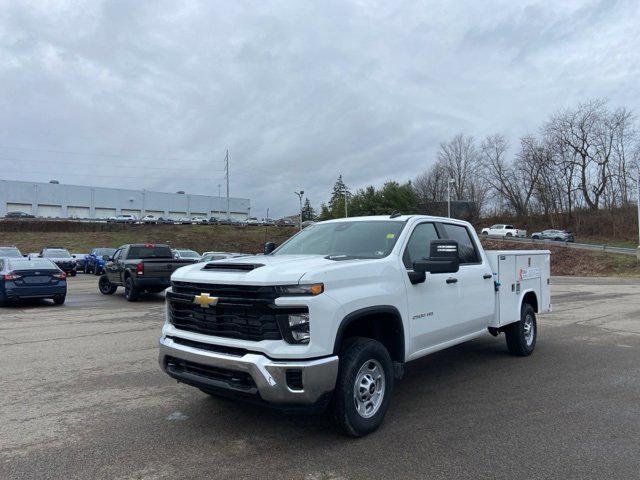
x=444 y=257
x=269 y=247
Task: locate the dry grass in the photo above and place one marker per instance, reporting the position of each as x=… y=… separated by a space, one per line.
x=573 y=262
x=198 y=237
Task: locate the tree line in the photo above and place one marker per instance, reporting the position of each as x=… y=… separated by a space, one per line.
x=581 y=158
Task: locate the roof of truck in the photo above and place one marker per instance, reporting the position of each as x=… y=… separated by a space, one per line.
x=400 y=218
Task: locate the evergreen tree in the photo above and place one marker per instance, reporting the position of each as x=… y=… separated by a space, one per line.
x=308 y=213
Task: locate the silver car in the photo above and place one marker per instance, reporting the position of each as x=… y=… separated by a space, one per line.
x=556 y=235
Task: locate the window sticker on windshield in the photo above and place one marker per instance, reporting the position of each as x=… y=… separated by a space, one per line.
x=391 y=235
x=380 y=253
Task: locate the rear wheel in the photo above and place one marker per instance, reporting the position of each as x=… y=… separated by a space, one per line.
x=59 y=299
x=558 y=239
x=364 y=386
x=105 y=286
x=130 y=291
x=509 y=234
x=521 y=336
x=485 y=233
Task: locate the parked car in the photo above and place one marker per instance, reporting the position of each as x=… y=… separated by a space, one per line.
x=165 y=221
x=253 y=221
x=268 y=222
x=331 y=316
x=285 y=222
x=184 y=221
x=211 y=256
x=182 y=253
x=22 y=278
x=501 y=230
x=18 y=215
x=307 y=223
x=213 y=221
x=139 y=268
x=199 y=220
x=62 y=258
x=126 y=218
x=10 y=251
x=556 y=235
x=95 y=261
x=150 y=219
x=81 y=260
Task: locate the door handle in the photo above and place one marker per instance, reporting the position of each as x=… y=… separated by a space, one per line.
x=452 y=280
x=487 y=276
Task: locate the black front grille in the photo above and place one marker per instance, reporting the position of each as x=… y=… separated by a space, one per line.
x=236 y=352
x=233 y=378
x=242 y=312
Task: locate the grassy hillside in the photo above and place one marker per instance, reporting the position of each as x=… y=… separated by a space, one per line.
x=32 y=236
x=572 y=262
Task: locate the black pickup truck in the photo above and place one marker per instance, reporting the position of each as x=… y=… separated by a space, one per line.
x=139 y=268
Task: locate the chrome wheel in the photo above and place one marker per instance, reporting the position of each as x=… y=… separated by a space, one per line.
x=529 y=330
x=369 y=387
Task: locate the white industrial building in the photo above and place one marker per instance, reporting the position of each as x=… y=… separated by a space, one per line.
x=53 y=200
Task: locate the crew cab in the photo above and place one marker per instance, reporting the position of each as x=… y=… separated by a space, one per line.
x=332 y=315
x=139 y=268
x=504 y=231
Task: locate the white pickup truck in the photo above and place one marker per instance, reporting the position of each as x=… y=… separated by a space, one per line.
x=331 y=316
x=501 y=230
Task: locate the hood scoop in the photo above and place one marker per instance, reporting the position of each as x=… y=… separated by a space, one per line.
x=232 y=267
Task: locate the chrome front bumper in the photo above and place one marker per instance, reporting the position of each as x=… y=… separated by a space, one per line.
x=318 y=376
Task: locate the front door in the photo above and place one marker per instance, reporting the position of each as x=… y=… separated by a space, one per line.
x=431 y=304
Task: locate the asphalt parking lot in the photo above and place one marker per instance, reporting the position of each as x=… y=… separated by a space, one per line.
x=83 y=397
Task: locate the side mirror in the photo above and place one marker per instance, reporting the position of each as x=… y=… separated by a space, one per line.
x=269 y=247
x=444 y=258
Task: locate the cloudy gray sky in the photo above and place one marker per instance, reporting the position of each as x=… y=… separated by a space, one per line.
x=151 y=94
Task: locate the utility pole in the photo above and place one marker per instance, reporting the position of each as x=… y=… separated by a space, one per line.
x=300 y=194
x=226 y=170
x=219 y=202
x=267 y=213
x=449 y=182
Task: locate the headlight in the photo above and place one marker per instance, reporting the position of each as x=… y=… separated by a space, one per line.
x=299 y=327
x=294 y=290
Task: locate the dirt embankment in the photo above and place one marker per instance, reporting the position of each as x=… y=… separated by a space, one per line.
x=573 y=262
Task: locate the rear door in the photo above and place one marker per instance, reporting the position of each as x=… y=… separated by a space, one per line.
x=473 y=282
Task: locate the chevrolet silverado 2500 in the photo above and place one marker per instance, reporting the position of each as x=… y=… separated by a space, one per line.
x=331 y=316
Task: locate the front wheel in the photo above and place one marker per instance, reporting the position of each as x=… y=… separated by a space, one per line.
x=73 y=273
x=485 y=233
x=105 y=286
x=59 y=299
x=364 y=386
x=521 y=336
x=509 y=234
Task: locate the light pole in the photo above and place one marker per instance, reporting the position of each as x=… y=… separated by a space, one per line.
x=638 y=201
x=449 y=182
x=267 y=214
x=219 y=200
x=300 y=194
x=346 y=211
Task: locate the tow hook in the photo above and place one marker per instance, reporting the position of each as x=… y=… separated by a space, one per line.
x=494 y=331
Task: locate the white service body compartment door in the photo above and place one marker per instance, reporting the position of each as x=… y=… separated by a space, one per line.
x=508 y=298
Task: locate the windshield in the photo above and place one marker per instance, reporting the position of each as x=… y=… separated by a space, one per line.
x=101 y=252
x=32 y=264
x=361 y=239
x=57 y=253
x=189 y=254
x=10 y=252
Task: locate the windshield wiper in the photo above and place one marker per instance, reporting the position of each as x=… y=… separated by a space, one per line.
x=337 y=258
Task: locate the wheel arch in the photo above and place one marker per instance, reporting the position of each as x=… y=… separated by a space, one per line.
x=530 y=297
x=381 y=322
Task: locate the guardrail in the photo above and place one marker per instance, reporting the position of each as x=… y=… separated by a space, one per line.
x=579 y=246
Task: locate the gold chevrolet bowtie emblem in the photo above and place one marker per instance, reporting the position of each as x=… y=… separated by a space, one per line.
x=204 y=300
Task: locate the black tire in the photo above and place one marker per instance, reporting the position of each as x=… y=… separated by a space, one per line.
x=97 y=271
x=105 y=286
x=59 y=299
x=86 y=269
x=485 y=233
x=73 y=273
x=509 y=235
x=130 y=291
x=360 y=354
x=558 y=239
x=535 y=237
x=518 y=341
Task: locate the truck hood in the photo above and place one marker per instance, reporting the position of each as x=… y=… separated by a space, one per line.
x=269 y=270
